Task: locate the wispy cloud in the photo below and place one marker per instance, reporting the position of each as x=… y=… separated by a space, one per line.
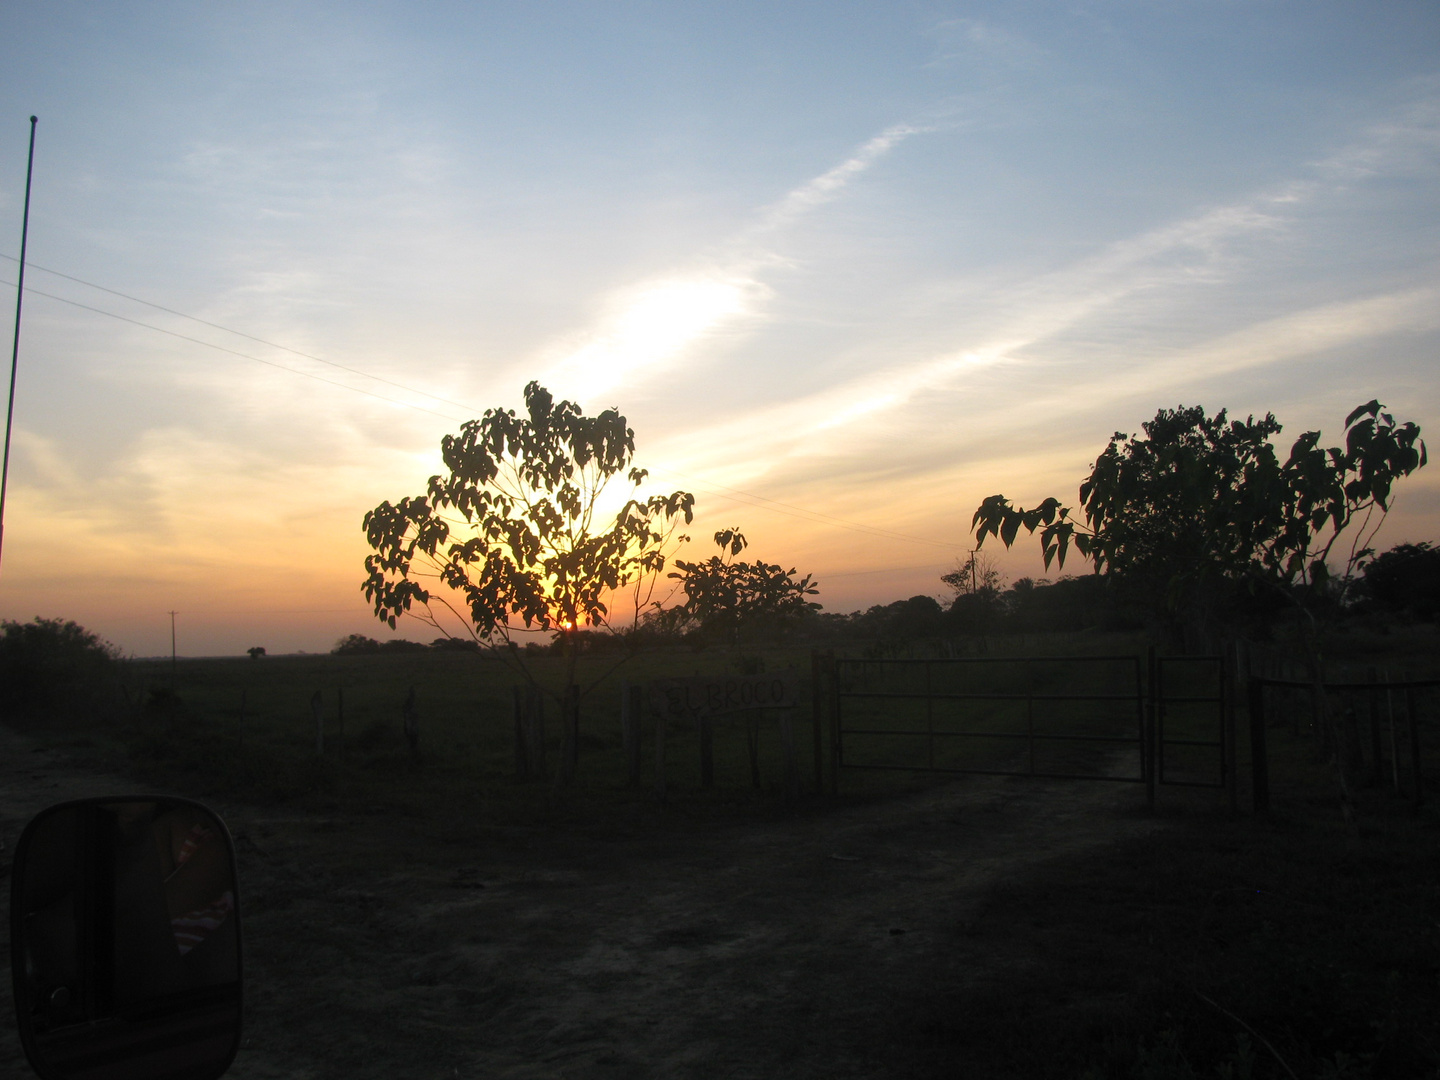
x=648 y=328
x=1028 y=326
x=957 y=39
x=829 y=184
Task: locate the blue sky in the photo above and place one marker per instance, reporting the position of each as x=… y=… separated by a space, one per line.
x=847 y=268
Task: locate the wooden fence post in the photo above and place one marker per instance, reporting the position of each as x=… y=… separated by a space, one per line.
x=1394 y=748
x=630 y=713
x=792 y=757
x=1377 y=754
x=752 y=743
x=535 y=731
x=660 y=756
x=1414 y=719
x=243 y=692
x=817 y=704
x=1229 y=758
x=1149 y=743
x=836 y=751
x=1259 y=763
x=569 y=734
x=522 y=755
x=317 y=710
x=411 y=717
x=340 y=717
x=707 y=752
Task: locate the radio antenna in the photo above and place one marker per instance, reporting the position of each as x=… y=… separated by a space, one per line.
x=15 y=350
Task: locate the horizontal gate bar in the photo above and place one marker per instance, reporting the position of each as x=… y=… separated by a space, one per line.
x=993 y=735
x=1193 y=783
x=897 y=695
x=999 y=772
x=1298 y=684
x=991 y=660
x=1190 y=742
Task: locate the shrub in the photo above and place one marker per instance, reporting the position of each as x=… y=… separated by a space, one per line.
x=454 y=644
x=355 y=643
x=1405 y=579
x=54 y=670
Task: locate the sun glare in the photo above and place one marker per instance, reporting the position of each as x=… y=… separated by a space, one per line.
x=648 y=327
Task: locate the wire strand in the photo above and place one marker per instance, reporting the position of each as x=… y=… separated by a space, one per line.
x=236 y=352
x=745 y=498
x=241 y=333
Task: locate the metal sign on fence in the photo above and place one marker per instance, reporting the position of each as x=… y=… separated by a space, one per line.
x=714 y=695
x=698 y=701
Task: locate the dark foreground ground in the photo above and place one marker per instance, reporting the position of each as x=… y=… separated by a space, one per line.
x=985 y=928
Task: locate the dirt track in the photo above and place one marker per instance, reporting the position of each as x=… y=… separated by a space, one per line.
x=799 y=948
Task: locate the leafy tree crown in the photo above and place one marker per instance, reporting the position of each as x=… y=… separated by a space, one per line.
x=512 y=530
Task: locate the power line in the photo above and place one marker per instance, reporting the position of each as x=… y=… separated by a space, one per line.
x=734 y=494
x=237 y=333
x=247 y=356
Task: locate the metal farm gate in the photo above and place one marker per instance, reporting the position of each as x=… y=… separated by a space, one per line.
x=1130 y=719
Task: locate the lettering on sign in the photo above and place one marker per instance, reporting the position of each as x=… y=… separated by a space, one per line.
x=712 y=695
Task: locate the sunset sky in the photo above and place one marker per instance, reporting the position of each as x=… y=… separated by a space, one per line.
x=848 y=268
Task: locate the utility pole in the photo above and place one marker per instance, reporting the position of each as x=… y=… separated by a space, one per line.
x=15 y=349
x=172 y=651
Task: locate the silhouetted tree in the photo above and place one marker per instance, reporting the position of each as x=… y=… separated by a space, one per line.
x=255 y=652
x=734 y=598
x=1202 y=503
x=976 y=608
x=55 y=670
x=1404 y=579
x=514 y=532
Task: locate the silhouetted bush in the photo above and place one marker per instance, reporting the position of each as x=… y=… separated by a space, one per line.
x=402 y=645
x=355 y=643
x=54 y=670
x=1405 y=579
x=455 y=644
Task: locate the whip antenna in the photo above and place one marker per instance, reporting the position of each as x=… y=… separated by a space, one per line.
x=15 y=349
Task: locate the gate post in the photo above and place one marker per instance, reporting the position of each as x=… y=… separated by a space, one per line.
x=1414 y=721
x=1149 y=741
x=1259 y=764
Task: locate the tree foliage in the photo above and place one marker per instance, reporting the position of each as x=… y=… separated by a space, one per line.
x=53 y=669
x=512 y=536
x=730 y=597
x=1404 y=579
x=1199 y=499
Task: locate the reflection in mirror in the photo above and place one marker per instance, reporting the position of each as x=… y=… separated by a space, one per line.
x=125 y=941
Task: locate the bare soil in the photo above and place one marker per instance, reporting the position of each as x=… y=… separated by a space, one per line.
x=381 y=947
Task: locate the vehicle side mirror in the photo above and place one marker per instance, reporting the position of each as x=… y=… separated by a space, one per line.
x=125 y=941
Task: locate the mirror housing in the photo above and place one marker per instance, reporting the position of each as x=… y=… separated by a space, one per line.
x=125 y=941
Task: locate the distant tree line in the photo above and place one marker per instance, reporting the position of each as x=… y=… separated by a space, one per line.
x=359 y=644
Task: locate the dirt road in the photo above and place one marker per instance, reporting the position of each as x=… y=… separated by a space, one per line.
x=799 y=948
